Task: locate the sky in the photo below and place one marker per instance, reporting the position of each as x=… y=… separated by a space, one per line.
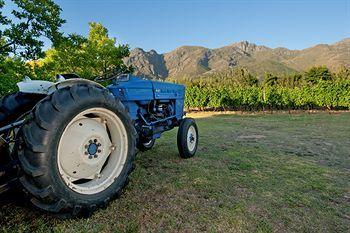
x=164 y=25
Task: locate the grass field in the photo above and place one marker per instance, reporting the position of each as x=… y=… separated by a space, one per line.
x=252 y=173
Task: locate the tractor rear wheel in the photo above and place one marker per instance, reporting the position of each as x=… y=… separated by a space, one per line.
x=78 y=150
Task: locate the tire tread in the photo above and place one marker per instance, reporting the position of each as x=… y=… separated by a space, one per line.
x=35 y=178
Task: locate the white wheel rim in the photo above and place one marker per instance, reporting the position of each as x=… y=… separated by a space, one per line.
x=92 y=151
x=191 y=138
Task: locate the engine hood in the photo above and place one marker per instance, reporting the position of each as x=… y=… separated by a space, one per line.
x=136 y=88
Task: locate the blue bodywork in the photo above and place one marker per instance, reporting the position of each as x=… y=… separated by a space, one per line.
x=154 y=106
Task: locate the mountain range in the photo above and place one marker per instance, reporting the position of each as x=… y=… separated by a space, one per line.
x=192 y=61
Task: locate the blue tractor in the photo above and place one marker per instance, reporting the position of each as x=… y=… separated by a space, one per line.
x=72 y=143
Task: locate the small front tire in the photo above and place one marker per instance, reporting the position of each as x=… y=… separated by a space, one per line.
x=187 y=138
x=146 y=145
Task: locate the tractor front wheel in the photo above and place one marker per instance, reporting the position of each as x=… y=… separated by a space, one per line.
x=146 y=145
x=187 y=138
x=77 y=150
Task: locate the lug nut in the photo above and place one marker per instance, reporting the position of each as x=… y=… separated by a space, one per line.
x=99 y=144
x=90 y=156
x=86 y=146
x=90 y=141
x=95 y=156
x=99 y=151
x=95 y=140
x=86 y=153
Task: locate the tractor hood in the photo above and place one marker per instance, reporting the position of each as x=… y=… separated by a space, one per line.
x=138 y=89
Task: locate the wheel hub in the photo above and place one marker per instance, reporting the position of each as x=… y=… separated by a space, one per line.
x=85 y=149
x=93 y=149
x=191 y=138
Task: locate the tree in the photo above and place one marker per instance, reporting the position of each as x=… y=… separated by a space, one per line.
x=88 y=57
x=244 y=78
x=3 y=19
x=317 y=73
x=343 y=73
x=32 y=20
x=12 y=70
x=290 y=80
x=69 y=56
x=270 y=80
x=102 y=52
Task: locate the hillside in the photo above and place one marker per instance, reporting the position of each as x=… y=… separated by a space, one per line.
x=189 y=61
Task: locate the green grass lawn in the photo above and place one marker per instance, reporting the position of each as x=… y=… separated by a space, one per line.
x=252 y=173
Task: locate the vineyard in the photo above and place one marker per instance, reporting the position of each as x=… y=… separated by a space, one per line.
x=323 y=95
x=237 y=89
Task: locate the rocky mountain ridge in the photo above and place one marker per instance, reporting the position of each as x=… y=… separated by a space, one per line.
x=191 y=61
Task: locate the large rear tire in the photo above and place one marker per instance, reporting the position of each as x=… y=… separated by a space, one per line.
x=78 y=150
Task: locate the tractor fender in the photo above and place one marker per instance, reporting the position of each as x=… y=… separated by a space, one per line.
x=71 y=82
x=47 y=87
